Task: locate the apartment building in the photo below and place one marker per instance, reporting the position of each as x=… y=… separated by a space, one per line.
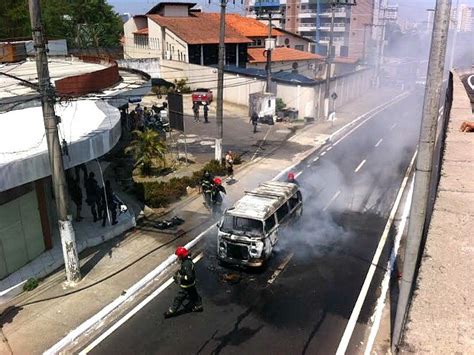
x=312 y=19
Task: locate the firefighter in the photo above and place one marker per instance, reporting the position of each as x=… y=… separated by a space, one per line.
x=206 y=188
x=186 y=280
x=291 y=178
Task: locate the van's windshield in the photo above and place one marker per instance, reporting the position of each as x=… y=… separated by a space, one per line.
x=242 y=225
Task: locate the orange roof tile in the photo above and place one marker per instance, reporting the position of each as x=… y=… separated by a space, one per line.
x=280 y=54
x=199 y=28
x=249 y=27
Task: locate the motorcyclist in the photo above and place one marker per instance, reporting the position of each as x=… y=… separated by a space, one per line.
x=185 y=278
x=291 y=178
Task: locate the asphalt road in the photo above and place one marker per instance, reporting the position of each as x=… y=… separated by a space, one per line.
x=349 y=190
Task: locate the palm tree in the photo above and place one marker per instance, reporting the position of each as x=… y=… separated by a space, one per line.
x=147 y=146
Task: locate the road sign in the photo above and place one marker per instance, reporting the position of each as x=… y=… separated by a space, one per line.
x=334 y=96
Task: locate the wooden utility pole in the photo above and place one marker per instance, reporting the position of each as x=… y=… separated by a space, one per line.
x=220 y=85
x=424 y=163
x=66 y=230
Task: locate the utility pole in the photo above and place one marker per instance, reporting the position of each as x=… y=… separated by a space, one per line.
x=328 y=63
x=380 y=52
x=455 y=37
x=424 y=162
x=66 y=230
x=220 y=85
x=268 y=50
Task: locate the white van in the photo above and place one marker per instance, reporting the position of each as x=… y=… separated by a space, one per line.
x=248 y=231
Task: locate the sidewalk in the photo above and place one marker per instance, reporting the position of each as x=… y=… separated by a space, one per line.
x=441 y=315
x=114 y=266
x=441 y=319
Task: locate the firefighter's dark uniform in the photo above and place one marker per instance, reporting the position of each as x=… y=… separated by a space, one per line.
x=186 y=279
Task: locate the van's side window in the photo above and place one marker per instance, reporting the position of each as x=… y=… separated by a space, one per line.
x=282 y=212
x=270 y=223
x=294 y=200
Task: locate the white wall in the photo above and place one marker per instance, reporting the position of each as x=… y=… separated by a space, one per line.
x=142 y=49
x=303 y=67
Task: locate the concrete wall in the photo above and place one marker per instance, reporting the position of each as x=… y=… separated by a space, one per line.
x=236 y=88
x=305 y=67
x=21 y=238
x=287 y=40
x=138 y=49
x=308 y=100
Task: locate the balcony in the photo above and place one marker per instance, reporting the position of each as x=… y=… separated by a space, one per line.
x=337 y=14
x=305 y=27
x=337 y=28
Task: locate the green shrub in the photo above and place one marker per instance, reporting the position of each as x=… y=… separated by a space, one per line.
x=30 y=285
x=160 y=194
x=280 y=104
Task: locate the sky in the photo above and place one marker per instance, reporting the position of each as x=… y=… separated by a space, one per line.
x=411 y=10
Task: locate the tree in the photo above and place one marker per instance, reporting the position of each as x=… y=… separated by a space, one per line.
x=84 y=23
x=146 y=147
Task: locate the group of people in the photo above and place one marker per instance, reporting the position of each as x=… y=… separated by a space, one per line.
x=196 y=109
x=99 y=199
x=212 y=190
x=141 y=118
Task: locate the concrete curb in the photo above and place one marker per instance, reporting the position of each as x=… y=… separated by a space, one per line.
x=126 y=295
x=98 y=318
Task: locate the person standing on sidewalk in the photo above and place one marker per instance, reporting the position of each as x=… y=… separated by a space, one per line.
x=229 y=162
x=186 y=280
x=108 y=201
x=254 y=121
x=206 y=112
x=92 y=195
x=196 y=111
x=76 y=196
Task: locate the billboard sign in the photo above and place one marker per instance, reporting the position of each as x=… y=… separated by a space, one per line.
x=267 y=5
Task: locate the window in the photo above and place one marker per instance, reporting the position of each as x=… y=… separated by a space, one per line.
x=282 y=212
x=299 y=47
x=259 y=42
x=241 y=225
x=269 y=103
x=270 y=223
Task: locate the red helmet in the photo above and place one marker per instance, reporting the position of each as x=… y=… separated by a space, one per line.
x=181 y=252
x=291 y=176
x=217 y=181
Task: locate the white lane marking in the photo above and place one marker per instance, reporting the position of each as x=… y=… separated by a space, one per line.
x=360 y=166
x=439 y=116
x=378 y=143
x=316 y=159
x=298 y=174
x=332 y=200
x=370 y=115
x=134 y=311
x=341 y=349
x=441 y=109
x=329 y=149
x=393 y=126
x=380 y=304
x=99 y=317
x=280 y=269
x=323 y=154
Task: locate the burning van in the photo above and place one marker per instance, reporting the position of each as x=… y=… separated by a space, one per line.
x=248 y=231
